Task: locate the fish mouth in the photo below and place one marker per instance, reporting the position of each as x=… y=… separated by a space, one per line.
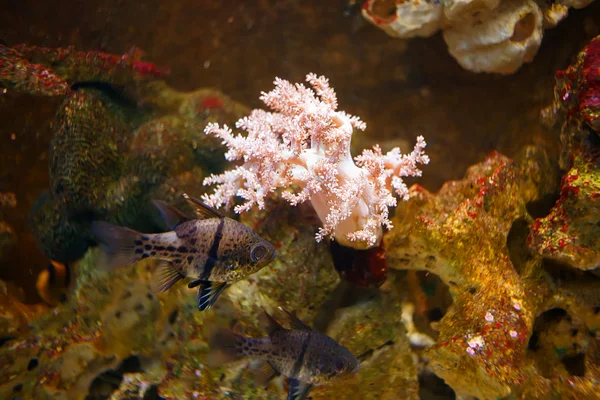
x=356 y=369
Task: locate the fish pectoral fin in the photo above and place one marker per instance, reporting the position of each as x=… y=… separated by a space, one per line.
x=164 y=277
x=296 y=322
x=272 y=324
x=202 y=210
x=171 y=216
x=266 y=373
x=208 y=293
x=298 y=390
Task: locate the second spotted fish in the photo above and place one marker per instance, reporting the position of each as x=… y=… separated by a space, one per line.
x=214 y=250
x=306 y=357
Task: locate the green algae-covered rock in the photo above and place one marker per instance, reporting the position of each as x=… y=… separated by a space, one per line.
x=109 y=159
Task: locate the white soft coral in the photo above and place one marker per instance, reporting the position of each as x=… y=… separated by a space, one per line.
x=305 y=141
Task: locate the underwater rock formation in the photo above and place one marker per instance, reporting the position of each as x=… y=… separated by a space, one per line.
x=460 y=235
x=115 y=338
x=118 y=142
x=52 y=72
x=115 y=334
x=73 y=344
x=521 y=324
x=482 y=35
x=19 y=74
x=472 y=234
x=88 y=147
x=570 y=233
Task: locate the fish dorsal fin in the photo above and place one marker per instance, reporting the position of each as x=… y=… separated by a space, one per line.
x=296 y=322
x=202 y=210
x=298 y=390
x=170 y=215
x=272 y=324
x=164 y=277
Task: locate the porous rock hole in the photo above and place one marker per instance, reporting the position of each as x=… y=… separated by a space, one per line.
x=574 y=364
x=516 y=243
x=106 y=383
x=523 y=28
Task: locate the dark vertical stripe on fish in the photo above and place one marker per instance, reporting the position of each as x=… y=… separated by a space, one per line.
x=300 y=360
x=212 y=252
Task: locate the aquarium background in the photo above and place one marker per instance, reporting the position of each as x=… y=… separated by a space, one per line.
x=401 y=89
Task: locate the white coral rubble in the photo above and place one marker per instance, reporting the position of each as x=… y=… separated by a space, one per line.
x=510 y=37
x=306 y=142
x=411 y=18
x=460 y=11
x=494 y=36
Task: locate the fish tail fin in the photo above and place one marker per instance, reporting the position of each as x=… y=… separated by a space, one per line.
x=225 y=346
x=118 y=244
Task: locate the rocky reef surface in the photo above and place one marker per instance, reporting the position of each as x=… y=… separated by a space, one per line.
x=514 y=279
x=119 y=128
x=491 y=283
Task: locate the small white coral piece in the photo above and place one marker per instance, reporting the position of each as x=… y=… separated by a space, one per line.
x=306 y=142
x=410 y=18
x=510 y=36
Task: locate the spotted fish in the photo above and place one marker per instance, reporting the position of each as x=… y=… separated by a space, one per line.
x=213 y=250
x=308 y=358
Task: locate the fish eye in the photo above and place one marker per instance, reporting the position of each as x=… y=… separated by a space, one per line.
x=258 y=252
x=340 y=366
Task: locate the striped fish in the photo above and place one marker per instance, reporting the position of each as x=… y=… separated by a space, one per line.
x=308 y=358
x=213 y=250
